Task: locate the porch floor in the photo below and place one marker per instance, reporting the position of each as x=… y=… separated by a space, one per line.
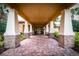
x=39 y=45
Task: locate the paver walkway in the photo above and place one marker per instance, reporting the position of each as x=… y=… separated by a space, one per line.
x=38 y=46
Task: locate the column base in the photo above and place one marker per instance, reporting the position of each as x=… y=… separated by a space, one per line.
x=47 y=33
x=30 y=33
x=66 y=41
x=11 y=41
x=27 y=35
x=51 y=35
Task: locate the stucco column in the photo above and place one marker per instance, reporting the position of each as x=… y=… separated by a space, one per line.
x=30 y=29
x=26 y=30
x=66 y=30
x=44 y=30
x=47 y=29
x=11 y=39
x=51 y=31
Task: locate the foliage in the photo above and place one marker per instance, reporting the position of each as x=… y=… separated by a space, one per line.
x=75 y=24
x=21 y=36
x=1 y=44
x=57 y=20
x=77 y=39
x=2 y=26
x=75 y=11
x=1 y=40
x=3 y=20
x=56 y=34
x=1 y=37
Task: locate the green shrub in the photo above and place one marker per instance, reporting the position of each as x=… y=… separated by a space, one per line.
x=1 y=44
x=1 y=40
x=21 y=36
x=1 y=37
x=77 y=39
x=56 y=34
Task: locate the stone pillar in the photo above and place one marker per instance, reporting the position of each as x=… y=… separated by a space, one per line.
x=47 y=29
x=30 y=29
x=51 y=29
x=11 y=38
x=26 y=30
x=66 y=30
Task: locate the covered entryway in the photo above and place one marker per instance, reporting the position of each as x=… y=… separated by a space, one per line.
x=38 y=30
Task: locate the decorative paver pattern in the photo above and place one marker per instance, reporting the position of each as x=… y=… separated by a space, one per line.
x=37 y=46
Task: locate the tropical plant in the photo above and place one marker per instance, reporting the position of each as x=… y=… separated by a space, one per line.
x=56 y=34
x=75 y=23
x=1 y=40
x=77 y=39
x=21 y=36
x=3 y=17
x=3 y=20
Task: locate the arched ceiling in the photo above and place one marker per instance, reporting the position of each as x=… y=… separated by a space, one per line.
x=39 y=14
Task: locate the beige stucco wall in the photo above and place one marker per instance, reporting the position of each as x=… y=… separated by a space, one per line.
x=21 y=28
